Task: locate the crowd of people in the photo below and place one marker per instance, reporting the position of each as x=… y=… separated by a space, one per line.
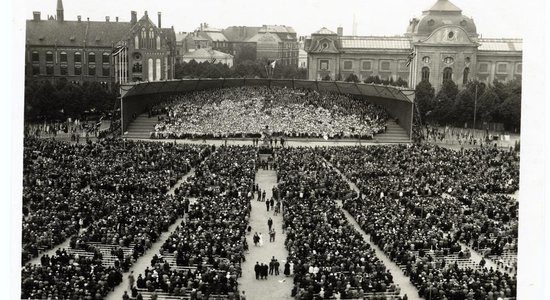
x=419 y=202
x=245 y=111
x=109 y=192
x=330 y=257
x=209 y=246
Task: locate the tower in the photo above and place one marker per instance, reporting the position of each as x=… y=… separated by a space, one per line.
x=60 y=16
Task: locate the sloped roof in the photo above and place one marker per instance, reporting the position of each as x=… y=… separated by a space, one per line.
x=265 y=37
x=324 y=30
x=74 y=33
x=205 y=53
x=277 y=29
x=500 y=45
x=240 y=33
x=373 y=42
x=215 y=36
x=444 y=6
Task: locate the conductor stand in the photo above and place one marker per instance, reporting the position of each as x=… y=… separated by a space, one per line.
x=266 y=146
x=358 y=142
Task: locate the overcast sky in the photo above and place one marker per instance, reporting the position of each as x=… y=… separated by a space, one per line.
x=494 y=18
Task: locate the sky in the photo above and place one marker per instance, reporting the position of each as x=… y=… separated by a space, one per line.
x=494 y=18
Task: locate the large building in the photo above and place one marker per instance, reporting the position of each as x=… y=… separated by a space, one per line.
x=439 y=45
x=103 y=51
x=269 y=42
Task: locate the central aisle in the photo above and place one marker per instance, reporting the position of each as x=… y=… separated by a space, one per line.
x=275 y=287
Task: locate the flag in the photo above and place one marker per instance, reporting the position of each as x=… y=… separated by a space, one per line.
x=273 y=64
x=410 y=58
x=118 y=50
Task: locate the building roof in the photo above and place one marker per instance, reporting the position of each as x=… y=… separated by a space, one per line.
x=501 y=45
x=324 y=30
x=374 y=42
x=265 y=37
x=240 y=33
x=444 y=6
x=75 y=33
x=206 y=53
x=277 y=29
x=215 y=36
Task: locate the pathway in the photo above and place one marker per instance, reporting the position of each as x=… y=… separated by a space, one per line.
x=275 y=287
x=407 y=288
x=145 y=261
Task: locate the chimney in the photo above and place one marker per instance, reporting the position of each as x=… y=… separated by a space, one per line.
x=340 y=31
x=79 y=18
x=146 y=13
x=36 y=16
x=116 y=18
x=107 y=18
x=88 y=19
x=133 y=20
x=60 y=16
x=159 y=17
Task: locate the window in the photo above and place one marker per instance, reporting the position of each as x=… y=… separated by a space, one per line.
x=35 y=57
x=323 y=64
x=518 y=68
x=502 y=68
x=151 y=38
x=150 y=70
x=426 y=73
x=385 y=65
x=137 y=68
x=91 y=57
x=49 y=56
x=466 y=74
x=157 y=73
x=426 y=59
x=105 y=58
x=348 y=65
x=49 y=70
x=447 y=74
x=63 y=70
x=77 y=70
x=136 y=41
x=91 y=70
x=448 y=60
x=63 y=57
x=106 y=71
x=77 y=57
x=158 y=42
x=367 y=65
x=483 y=67
x=468 y=60
x=35 y=70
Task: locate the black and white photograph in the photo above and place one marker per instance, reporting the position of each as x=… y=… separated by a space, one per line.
x=215 y=149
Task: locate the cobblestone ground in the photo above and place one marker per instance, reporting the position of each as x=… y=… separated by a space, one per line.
x=274 y=287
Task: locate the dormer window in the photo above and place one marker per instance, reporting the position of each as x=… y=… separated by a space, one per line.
x=431 y=22
x=448 y=60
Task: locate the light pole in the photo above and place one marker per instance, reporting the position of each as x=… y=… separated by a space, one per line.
x=475 y=108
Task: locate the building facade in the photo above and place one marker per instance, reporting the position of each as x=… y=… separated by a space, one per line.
x=440 y=45
x=85 y=50
x=269 y=42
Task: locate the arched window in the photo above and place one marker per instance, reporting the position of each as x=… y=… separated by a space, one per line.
x=158 y=69
x=35 y=56
x=77 y=57
x=426 y=73
x=105 y=58
x=91 y=58
x=158 y=42
x=143 y=38
x=151 y=38
x=150 y=69
x=63 y=57
x=466 y=74
x=447 y=74
x=49 y=56
x=136 y=42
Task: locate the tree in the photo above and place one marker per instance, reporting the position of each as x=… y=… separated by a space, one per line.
x=465 y=104
x=245 y=53
x=444 y=103
x=352 y=78
x=326 y=78
x=373 y=79
x=401 y=82
x=424 y=98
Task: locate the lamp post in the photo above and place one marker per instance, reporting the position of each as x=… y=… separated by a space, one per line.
x=475 y=108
